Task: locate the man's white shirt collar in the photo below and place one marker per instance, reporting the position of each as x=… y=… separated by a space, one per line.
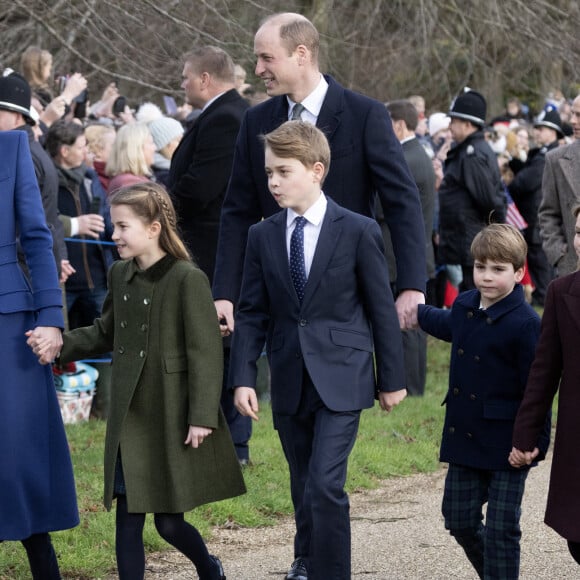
x=312 y=103
x=212 y=100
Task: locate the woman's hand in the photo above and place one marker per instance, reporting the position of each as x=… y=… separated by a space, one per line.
x=45 y=342
x=518 y=458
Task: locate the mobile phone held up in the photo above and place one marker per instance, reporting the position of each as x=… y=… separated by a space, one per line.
x=119 y=105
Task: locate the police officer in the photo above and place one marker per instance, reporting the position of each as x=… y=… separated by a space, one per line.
x=526 y=191
x=471 y=193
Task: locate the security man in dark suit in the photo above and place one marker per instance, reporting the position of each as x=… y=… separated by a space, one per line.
x=198 y=177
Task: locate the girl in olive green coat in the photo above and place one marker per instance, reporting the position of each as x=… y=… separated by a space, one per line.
x=168 y=448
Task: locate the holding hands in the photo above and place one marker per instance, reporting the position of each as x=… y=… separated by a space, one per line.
x=45 y=342
x=519 y=458
x=407 y=304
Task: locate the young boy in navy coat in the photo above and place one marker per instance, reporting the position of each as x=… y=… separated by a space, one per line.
x=316 y=290
x=493 y=332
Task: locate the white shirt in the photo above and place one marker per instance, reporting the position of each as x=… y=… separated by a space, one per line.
x=312 y=103
x=314 y=217
x=212 y=100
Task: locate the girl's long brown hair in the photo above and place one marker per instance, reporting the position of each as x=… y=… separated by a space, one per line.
x=150 y=203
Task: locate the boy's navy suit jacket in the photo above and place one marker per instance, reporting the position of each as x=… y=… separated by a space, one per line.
x=347 y=312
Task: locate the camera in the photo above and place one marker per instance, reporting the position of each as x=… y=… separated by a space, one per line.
x=62 y=80
x=80 y=104
x=119 y=105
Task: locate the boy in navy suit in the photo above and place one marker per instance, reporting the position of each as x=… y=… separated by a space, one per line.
x=315 y=289
x=493 y=333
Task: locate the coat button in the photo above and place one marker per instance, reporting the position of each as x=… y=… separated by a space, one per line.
x=123 y=324
x=489 y=320
x=146 y=301
x=451 y=430
x=142 y=354
x=126 y=297
x=470 y=314
x=460 y=352
x=144 y=327
x=476 y=358
x=121 y=350
x=469 y=436
x=302 y=322
x=456 y=391
x=473 y=397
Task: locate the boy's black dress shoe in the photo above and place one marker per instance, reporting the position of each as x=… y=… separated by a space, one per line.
x=220 y=568
x=297 y=570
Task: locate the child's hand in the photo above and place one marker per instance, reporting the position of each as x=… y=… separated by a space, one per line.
x=390 y=400
x=196 y=435
x=519 y=458
x=246 y=402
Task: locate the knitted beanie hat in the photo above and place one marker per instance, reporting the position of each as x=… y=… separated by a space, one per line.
x=164 y=130
x=438 y=122
x=148 y=112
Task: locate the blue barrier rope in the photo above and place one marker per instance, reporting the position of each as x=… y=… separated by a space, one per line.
x=99 y=242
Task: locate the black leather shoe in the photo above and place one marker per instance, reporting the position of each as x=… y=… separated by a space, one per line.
x=220 y=568
x=297 y=570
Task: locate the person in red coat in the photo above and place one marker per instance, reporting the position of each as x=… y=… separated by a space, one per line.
x=556 y=364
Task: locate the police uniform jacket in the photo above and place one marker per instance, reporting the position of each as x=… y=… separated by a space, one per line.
x=491 y=354
x=470 y=196
x=167 y=374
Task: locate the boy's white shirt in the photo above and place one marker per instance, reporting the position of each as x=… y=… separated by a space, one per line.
x=314 y=217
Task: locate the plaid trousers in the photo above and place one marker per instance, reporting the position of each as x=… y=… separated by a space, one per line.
x=493 y=548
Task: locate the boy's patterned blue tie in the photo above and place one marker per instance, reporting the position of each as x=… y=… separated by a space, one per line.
x=297 y=267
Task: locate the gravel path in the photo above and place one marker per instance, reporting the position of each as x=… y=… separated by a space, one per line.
x=398 y=534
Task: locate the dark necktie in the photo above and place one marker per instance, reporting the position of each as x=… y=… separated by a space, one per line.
x=297 y=267
x=297 y=112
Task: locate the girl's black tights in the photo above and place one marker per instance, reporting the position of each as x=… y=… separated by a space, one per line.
x=41 y=557
x=172 y=528
x=574 y=548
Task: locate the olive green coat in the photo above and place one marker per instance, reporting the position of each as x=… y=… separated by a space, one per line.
x=167 y=370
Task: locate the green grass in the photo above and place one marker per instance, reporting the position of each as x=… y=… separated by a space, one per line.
x=403 y=442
